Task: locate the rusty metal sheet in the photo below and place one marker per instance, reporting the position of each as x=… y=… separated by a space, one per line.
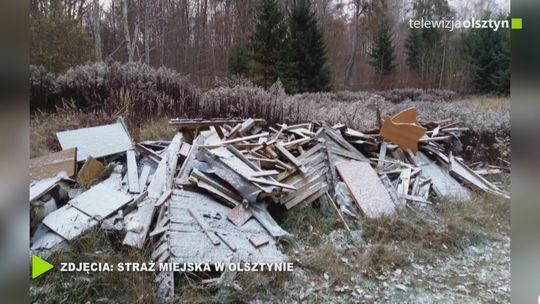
x=52 y=164
x=368 y=191
x=405 y=135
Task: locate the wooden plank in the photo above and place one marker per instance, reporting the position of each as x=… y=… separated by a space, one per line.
x=405 y=135
x=266 y=220
x=206 y=229
x=194 y=123
x=240 y=139
x=270 y=183
x=404 y=182
x=382 y=155
x=336 y=210
x=289 y=156
x=133 y=175
x=239 y=215
x=91 y=171
x=368 y=192
x=468 y=175
x=52 y=164
x=163 y=198
x=306 y=194
x=143 y=179
x=265 y=173
x=162 y=179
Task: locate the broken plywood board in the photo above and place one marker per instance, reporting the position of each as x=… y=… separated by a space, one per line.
x=69 y=222
x=41 y=187
x=443 y=183
x=162 y=179
x=91 y=171
x=366 y=188
x=189 y=244
x=96 y=141
x=406 y=116
x=405 y=135
x=100 y=201
x=142 y=219
x=50 y=165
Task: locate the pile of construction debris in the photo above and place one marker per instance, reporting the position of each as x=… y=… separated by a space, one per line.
x=204 y=196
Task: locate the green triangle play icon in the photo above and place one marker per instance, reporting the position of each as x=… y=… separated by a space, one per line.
x=39 y=266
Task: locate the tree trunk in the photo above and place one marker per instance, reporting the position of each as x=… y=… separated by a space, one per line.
x=97 y=31
x=129 y=46
x=359 y=9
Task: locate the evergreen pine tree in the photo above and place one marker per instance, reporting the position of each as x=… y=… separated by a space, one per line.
x=269 y=43
x=239 y=60
x=307 y=50
x=382 y=56
x=488 y=53
x=413 y=45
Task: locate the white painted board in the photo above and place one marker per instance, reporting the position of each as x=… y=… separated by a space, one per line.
x=96 y=141
x=100 y=201
x=68 y=222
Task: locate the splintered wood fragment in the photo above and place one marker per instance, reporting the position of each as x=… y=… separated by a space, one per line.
x=289 y=156
x=270 y=183
x=91 y=171
x=239 y=215
x=206 y=229
x=163 y=198
x=259 y=239
x=52 y=164
x=133 y=175
x=367 y=190
x=333 y=204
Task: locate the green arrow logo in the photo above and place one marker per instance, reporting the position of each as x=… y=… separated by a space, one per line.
x=39 y=266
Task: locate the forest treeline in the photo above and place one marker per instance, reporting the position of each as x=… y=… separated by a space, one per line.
x=309 y=45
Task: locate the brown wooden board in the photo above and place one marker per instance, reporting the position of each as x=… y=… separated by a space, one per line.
x=259 y=239
x=405 y=135
x=239 y=215
x=406 y=116
x=367 y=190
x=91 y=171
x=52 y=164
